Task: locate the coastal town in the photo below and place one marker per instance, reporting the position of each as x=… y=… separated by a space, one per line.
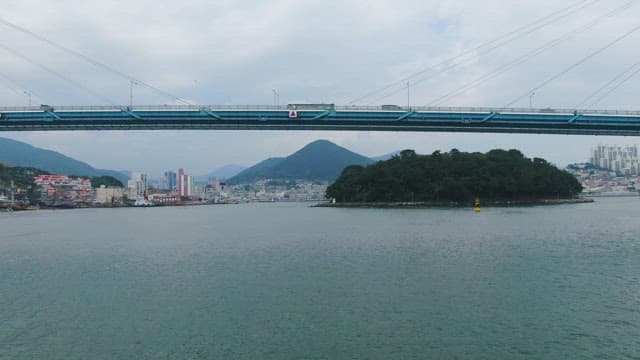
x=612 y=171
x=174 y=189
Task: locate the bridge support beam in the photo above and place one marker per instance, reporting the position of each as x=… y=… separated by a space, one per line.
x=489 y=117
x=210 y=113
x=575 y=118
x=323 y=115
x=131 y=113
x=407 y=115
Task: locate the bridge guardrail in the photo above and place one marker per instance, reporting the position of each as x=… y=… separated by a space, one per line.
x=381 y=108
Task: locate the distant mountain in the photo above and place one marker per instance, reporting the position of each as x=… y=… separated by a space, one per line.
x=21 y=154
x=386 y=156
x=261 y=170
x=126 y=173
x=223 y=172
x=320 y=160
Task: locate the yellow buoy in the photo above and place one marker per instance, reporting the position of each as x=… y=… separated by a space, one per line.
x=477 y=205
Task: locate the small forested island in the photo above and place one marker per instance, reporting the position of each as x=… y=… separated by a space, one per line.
x=498 y=177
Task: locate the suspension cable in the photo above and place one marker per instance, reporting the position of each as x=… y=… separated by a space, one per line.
x=58 y=74
x=465 y=61
x=574 y=65
x=620 y=81
x=18 y=88
x=94 y=62
x=529 y=55
x=490 y=45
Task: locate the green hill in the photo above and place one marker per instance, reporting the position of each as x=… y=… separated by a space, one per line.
x=454 y=176
x=24 y=155
x=320 y=160
x=261 y=170
x=22 y=180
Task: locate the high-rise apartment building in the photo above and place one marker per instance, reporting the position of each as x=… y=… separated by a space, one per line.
x=621 y=159
x=186 y=184
x=137 y=186
x=191 y=185
x=169 y=180
x=181 y=182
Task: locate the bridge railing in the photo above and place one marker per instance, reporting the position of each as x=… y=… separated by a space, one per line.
x=458 y=109
x=381 y=108
x=145 y=107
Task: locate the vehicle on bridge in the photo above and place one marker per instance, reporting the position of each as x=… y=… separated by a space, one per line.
x=321 y=106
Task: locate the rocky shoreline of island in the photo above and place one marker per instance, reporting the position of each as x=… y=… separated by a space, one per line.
x=455 y=204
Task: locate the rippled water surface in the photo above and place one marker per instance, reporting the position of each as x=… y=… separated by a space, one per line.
x=284 y=281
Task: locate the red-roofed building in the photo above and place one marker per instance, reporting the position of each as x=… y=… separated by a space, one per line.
x=61 y=188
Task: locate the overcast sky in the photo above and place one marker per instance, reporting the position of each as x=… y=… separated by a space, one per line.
x=236 y=52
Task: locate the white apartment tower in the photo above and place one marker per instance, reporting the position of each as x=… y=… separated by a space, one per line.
x=621 y=159
x=186 y=184
x=137 y=186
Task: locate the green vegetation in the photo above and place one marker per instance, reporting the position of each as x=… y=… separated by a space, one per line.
x=23 y=186
x=320 y=160
x=20 y=154
x=454 y=176
x=261 y=170
x=108 y=181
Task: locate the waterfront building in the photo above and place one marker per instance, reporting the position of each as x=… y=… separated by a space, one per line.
x=180 y=181
x=109 y=195
x=63 y=189
x=164 y=198
x=169 y=180
x=191 y=185
x=186 y=184
x=209 y=193
x=137 y=187
x=624 y=160
x=215 y=183
x=198 y=191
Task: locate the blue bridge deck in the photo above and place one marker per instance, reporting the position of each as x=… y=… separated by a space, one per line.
x=383 y=118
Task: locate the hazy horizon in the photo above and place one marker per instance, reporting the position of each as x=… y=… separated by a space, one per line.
x=203 y=170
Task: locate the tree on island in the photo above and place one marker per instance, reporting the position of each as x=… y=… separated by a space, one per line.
x=454 y=176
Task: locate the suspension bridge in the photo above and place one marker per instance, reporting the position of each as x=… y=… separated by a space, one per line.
x=323 y=117
x=578 y=120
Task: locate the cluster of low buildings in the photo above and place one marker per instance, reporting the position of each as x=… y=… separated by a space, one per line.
x=613 y=170
x=597 y=182
x=62 y=190
x=65 y=191
x=279 y=190
x=174 y=188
